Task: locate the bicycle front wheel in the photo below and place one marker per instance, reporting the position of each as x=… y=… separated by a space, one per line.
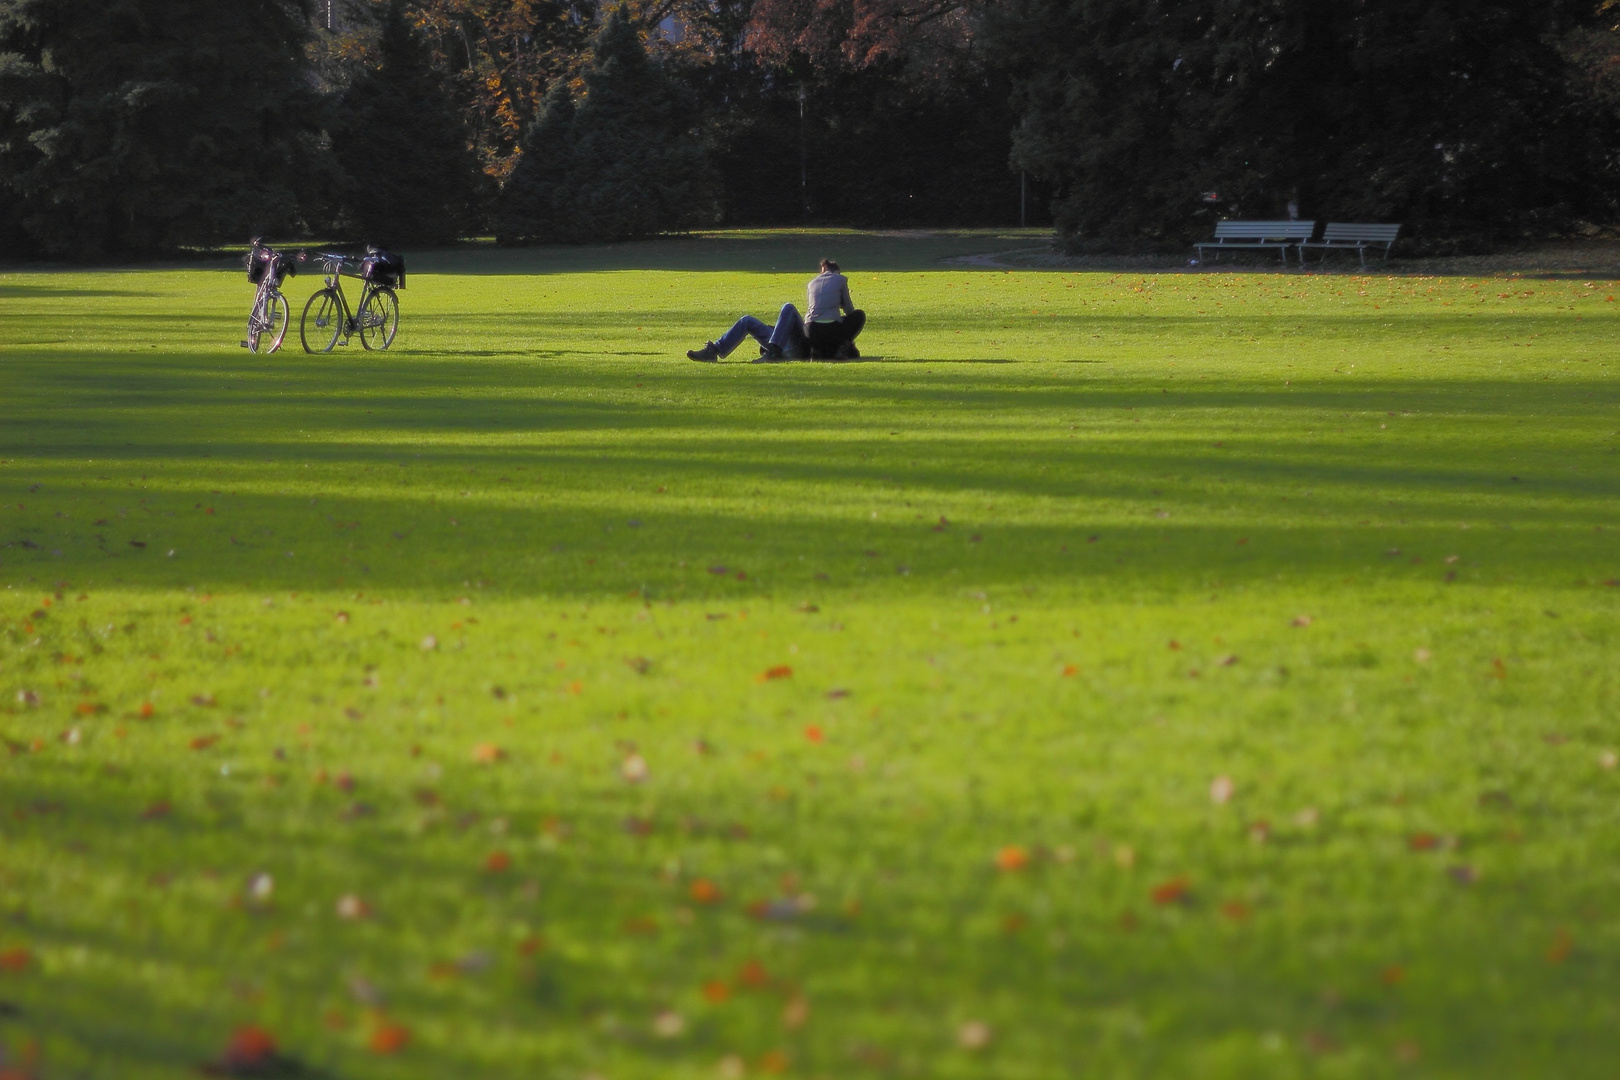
x=379 y=319
x=322 y=323
x=268 y=324
x=255 y=322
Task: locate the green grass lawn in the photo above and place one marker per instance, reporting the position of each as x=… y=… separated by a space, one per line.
x=1115 y=676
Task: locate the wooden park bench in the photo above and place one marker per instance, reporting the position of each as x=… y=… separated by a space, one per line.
x=1345 y=236
x=1276 y=236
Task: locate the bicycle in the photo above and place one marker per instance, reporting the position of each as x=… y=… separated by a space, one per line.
x=328 y=317
x=267 y=322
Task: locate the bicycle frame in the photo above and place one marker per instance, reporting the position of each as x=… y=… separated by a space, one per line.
x=332 y=268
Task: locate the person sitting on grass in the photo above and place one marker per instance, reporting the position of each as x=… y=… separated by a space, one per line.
x=825 y=334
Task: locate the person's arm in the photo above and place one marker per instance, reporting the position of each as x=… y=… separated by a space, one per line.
x=844 y=301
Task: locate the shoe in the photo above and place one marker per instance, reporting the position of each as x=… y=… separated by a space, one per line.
x=709 y=354
x=847 y=351
x=769 y=354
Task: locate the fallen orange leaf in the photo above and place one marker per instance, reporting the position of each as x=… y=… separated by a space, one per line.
x=1070 y=669
x=17 y=959
x=1171 y=891
x=203 y=742
x=716 y=991
x=781 y=671
x=498 y=862
x=753 y=974
x=488 y=753
x=774 y=1061
x=1012 y=858
x=814 y=733
x=704 y=891
x=389 y=1038
x=1423 y=841
x=250 y=1048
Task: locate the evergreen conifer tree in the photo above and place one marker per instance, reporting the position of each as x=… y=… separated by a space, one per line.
x=627 y=162
x=537 y=204
x=411 y=176
x=138 y=125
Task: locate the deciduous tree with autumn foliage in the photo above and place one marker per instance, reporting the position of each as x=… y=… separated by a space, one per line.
x=629 y=161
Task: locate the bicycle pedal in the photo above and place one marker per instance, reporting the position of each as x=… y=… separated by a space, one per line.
x=244 y=344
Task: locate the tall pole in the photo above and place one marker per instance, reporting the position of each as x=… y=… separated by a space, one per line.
x=804 y=156
x=1023 y=199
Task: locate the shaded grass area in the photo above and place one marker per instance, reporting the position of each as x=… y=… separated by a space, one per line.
x=576 y=710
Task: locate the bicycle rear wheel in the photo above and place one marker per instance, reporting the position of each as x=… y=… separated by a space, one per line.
x=322 y=323
x=379 y=319
x=267 y=326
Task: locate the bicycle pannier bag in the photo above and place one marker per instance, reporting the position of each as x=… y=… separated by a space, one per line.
x=262 y=260
x=258 y=262
x=383 y=268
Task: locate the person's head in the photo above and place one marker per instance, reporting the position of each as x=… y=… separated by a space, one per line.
x=828 y=266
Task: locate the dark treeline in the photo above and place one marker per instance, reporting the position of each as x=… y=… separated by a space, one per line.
x=139 y=126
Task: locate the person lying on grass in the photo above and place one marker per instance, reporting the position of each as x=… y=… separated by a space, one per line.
x=828 y=332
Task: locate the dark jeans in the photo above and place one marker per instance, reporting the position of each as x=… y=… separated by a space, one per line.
x=826 y=337
x=787 y=334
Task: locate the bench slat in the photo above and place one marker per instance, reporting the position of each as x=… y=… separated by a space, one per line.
x=1341 y=230
x=1264 y=230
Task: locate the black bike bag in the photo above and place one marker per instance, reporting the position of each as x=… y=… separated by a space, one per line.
x=383 y=268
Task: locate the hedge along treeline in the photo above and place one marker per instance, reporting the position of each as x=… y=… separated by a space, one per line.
x=130 y=126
